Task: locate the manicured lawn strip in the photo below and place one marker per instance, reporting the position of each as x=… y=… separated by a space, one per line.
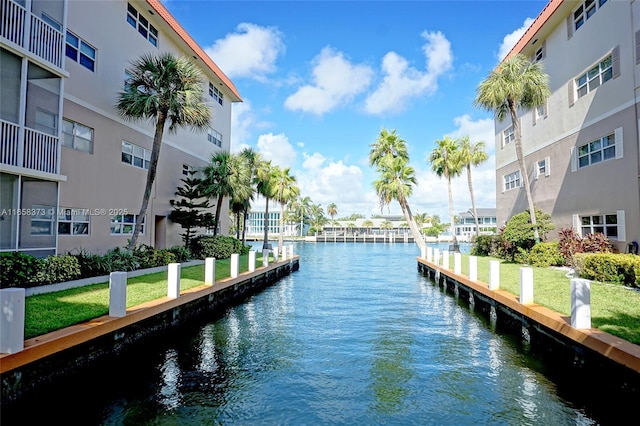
x=614 y=309
x=52 y=311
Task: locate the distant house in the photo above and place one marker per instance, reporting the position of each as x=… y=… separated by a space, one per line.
x=581 y=148
x=466 y=226
x=72 y=171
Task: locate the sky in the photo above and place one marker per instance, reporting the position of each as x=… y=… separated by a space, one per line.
x=320 y=79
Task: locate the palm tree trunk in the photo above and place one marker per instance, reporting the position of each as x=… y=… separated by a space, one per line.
x=151 y=177
x=473 y=201
x=280 y=238
x=265 y=244
x=453 y=221
x=238 y=225
x=406 y=210
x=244 y=225
x=217 y=217
x=523 y=169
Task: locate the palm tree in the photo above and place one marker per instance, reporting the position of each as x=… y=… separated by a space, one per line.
x=164 y=90
x=446 y=163
x=390 y=157
x=304 y=206
x=472 y=154
x=241 y=189
x=332 y=210
x=254 y=163
x=265 y=176
x=285 y=190
x=216 y=182
x=367 y=224
x=317 y=216
x=516 y=84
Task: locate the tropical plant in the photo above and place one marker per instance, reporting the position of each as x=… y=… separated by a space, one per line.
x=264 y=177
x=472 y=154
x=240 y=181
x=390 y=157
x=332 y=210
x=188 y=210
x=516 y=84
x=285 y=190
x=445 y=161
x=164 y=90
x=216 y=182
x=256 y=165
x=367 y=224
x=518 y=234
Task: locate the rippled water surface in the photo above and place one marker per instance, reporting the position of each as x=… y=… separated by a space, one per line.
x=356 y=336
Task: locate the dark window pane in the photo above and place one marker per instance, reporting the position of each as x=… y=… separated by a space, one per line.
x=72 y=53
x=64 y=228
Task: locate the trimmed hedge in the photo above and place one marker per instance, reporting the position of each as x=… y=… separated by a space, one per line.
x=546 y=254
x=616 y=268
x=218 y=246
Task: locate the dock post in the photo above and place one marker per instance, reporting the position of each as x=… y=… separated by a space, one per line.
x=12 y=302
x=252 y=260
x=473 y=268
x=210 y=271
x=235 y=265
x=494 y=275
x=457 y=263
x=117 y=294
x=445 y=259
x=173 y=280
x=580 y=303
x=526 y=286
x=265 y=257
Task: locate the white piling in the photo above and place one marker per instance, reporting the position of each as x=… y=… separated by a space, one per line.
x=210 y=271
x=526 y=286
x=580 y=303
x=457 y=263
x=252 y=260
x=283 y=254
x=118 y=294
x=12 y=302
x=235 y=265
x=436 y=256
x=445 y=259
x=473 y=268
x=291 y=251
x=429 y=254
x=173 y=278
x=265 y=257
x=494 y=275
x=275 y=254
x=423 y=252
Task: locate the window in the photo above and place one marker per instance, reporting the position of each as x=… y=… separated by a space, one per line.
x=512 y=180
x=542 y=168
x=508 y=135
x=597 y=75
x=42 y=220
x=139 y=22
x=541 y=112
x=214 y=137
x=585 y=11
x=80 y=51
x=123 y=224
x=46 y=122
x=606 y=224
x=135 y=155
x=597 y=151
x=215 y=93
x=73 y=221
x=77 y=136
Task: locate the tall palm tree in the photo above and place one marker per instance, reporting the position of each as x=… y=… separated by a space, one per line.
x=472 y=154
x=332 y=210
x=516 y=84
x=445 y=161
x=265 y=177
x=217 y=181
x=253 y=161
x=304 y=208
x=285 y=190
x=164 y=90
x=390 y=157
x=241 y=187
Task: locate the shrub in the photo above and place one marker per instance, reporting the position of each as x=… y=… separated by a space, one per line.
x=181 y=253
x=545 y=255
x=571 y=243
x=19 y=269
x=91 y=265
x=119 y=260
x=486 y=245
x=56 y=269
x=518 y=233
x=609 y=267
x=218 y=246
x=150 y=257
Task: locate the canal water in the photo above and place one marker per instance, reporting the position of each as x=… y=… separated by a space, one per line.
x=356 y=336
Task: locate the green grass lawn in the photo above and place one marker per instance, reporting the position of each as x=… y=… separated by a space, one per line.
x=52 y=311
x=614 y=309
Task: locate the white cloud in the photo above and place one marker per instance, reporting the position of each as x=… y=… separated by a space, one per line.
x=277 y=149
x=480 y=130
x=250 y=52
x=335 y=81
x=511 y=39
x=244 y=121
x=402 y=82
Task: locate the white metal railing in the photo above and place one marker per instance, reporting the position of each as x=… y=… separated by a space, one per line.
x=40 y=151
x=46 y=41
x=9 y=140
x=13 y=21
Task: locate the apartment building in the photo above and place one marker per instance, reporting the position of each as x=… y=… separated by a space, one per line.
x=581 y=148
x=72 y=170
x=465 y=227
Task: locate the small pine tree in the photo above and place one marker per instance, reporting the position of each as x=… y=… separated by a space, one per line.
x=187 y=212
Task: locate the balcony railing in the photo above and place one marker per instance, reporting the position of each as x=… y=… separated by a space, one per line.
x=39 y=151
x=44 y=40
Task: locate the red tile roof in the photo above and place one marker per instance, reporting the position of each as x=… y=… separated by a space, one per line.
x=533 y=29
x=162 y=11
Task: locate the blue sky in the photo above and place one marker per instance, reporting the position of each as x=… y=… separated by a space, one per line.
x=320 y=79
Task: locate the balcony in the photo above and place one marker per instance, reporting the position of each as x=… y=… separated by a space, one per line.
x=35 y=150
x=24 y=29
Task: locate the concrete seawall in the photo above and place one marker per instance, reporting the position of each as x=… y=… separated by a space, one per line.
x=47 y=357
x=545 y=332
